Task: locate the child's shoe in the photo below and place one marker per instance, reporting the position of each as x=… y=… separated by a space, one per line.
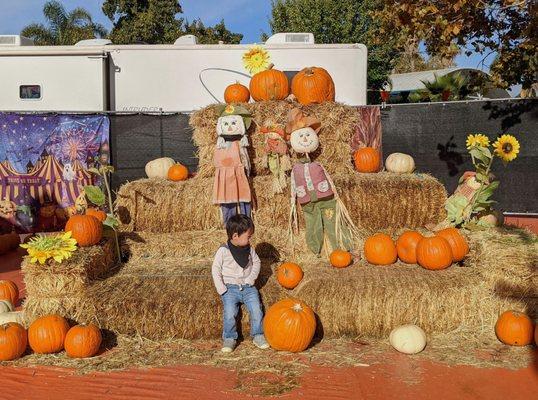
x=260 y=342
x=228 y=345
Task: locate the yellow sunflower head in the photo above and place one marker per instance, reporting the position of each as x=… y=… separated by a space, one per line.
x=58 y=247
x=477 y=139
x=256 y=59
x=506 y=148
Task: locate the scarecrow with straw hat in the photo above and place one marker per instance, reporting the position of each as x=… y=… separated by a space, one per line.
x=231 y=188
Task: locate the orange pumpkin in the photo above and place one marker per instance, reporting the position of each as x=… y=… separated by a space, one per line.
x=312 y=85
x=270 y=84
x=379 y=249
x=178 y=172
x=289 y=275
x=9 y=291
x=95 y=212
x=236 y=93
x=434 y=253
x=340 y=258
x=13 y=341
x=367 y=159
x=514 y=328
x=289 y=325
x=406 y=245
x=83 y=341
x=86 y=229
x=47 y=334
x=457 y=243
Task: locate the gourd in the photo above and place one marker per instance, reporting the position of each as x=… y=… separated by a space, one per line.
x=178 y=172
x=406 y=246
x=379 y=249
x=13 y=341
x=159 y=167
x=408 y=339
x=457 y=243
x=270 y=84
x=289 y=275
x=47 y=334
x=514 y=328
x=6 y=306
x=95 y=212
x=313 y=85
x=289 y=325
x=400 y=163
x=340 y=258
x=9 y=291
x=85 y=229
x=236 y=93
x=83 y=341
x=434 y=253
x=367 y=159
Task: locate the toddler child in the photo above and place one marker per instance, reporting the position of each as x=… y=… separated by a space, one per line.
x=235 y=269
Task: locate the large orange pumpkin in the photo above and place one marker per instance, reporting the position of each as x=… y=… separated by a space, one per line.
x=270 y=84
x=47 y=334
x=340 y=258
x=289 y=275
x=312 y=85
x=406 y=245
x=9 y=291
x=457 y=243
x=86 y=229
x=178 y=172
x=289 y=325
x=367 y=159
x=236 y=93
x=514 y=328
x=434 y=253
x=379 y=249
x=13 y=341
x=95 y=212
x=83 y=341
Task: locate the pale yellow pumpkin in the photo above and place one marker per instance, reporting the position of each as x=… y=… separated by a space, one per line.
x=492 y=218
x=400 y=163
x=159 y=167
x=13 y=316
x=5 y=306
x=408 y=339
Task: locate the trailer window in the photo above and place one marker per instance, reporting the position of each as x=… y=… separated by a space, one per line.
x=30 y=92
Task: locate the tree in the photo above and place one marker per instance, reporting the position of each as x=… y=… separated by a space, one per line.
x=411 y=59
x=505 y=27
x=339 y=21
x=211 y=35
x=64 y=28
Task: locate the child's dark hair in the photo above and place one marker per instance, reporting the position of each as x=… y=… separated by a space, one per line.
x=238 y=224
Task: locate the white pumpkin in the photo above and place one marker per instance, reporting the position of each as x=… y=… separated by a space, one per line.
x=159 y=168
x=408 y=339
x=492 y=218
x=13 y=316
x=5 y=306
x=400 y=163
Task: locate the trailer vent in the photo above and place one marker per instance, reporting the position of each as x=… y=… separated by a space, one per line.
x=291 y=38
x=15 y=40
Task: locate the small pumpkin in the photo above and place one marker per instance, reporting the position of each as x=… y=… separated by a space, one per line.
x=289 y=325
x=270 y=84
x=434 y=253
x=95 y=212
x=85 y=229
x=178 y=172
x=13 y=316
x=9 y=291
x=83 y=341
x=312 y=85
x=514 y=328
x=457 y=242
x=9 y=242
x=236 y=93
x=289 y=275
x=379 y=249
x=406 y=246
x=6 y=306
x=13 y=341
x=340 y=258
x=159 y=167
x=491 y=218
x=367 y=159
x=400 y=163
x=408 y=339
x=47 y=334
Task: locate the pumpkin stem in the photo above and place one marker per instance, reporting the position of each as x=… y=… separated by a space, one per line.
x=297 y=307
x=270 y=66
x=309 y=71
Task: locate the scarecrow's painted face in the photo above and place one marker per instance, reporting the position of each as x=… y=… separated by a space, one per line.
x=304 y=140
x=230 y=125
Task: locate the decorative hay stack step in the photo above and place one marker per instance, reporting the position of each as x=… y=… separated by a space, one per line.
x=375 y=202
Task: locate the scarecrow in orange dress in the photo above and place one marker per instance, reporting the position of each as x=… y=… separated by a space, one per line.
x=277 y=158
x=231 y=188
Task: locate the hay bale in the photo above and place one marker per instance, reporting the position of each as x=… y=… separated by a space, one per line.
x=338 y=127
x=408 y=200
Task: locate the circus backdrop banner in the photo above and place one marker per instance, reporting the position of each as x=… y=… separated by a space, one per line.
x=44 y=162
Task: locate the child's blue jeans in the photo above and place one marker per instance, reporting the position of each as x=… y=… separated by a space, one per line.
x=231 y=209
x=231 y=301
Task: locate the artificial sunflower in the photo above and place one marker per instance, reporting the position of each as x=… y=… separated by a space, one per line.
x=477 y=139
x=58 y=247
x=256 y=59
x=506 y=147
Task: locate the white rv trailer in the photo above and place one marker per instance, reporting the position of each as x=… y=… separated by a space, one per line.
x=180 y=77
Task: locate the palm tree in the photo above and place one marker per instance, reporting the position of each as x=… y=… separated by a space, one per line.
x=63 y=28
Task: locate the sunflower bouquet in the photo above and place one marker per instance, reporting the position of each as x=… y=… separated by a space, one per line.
x=472 y=200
